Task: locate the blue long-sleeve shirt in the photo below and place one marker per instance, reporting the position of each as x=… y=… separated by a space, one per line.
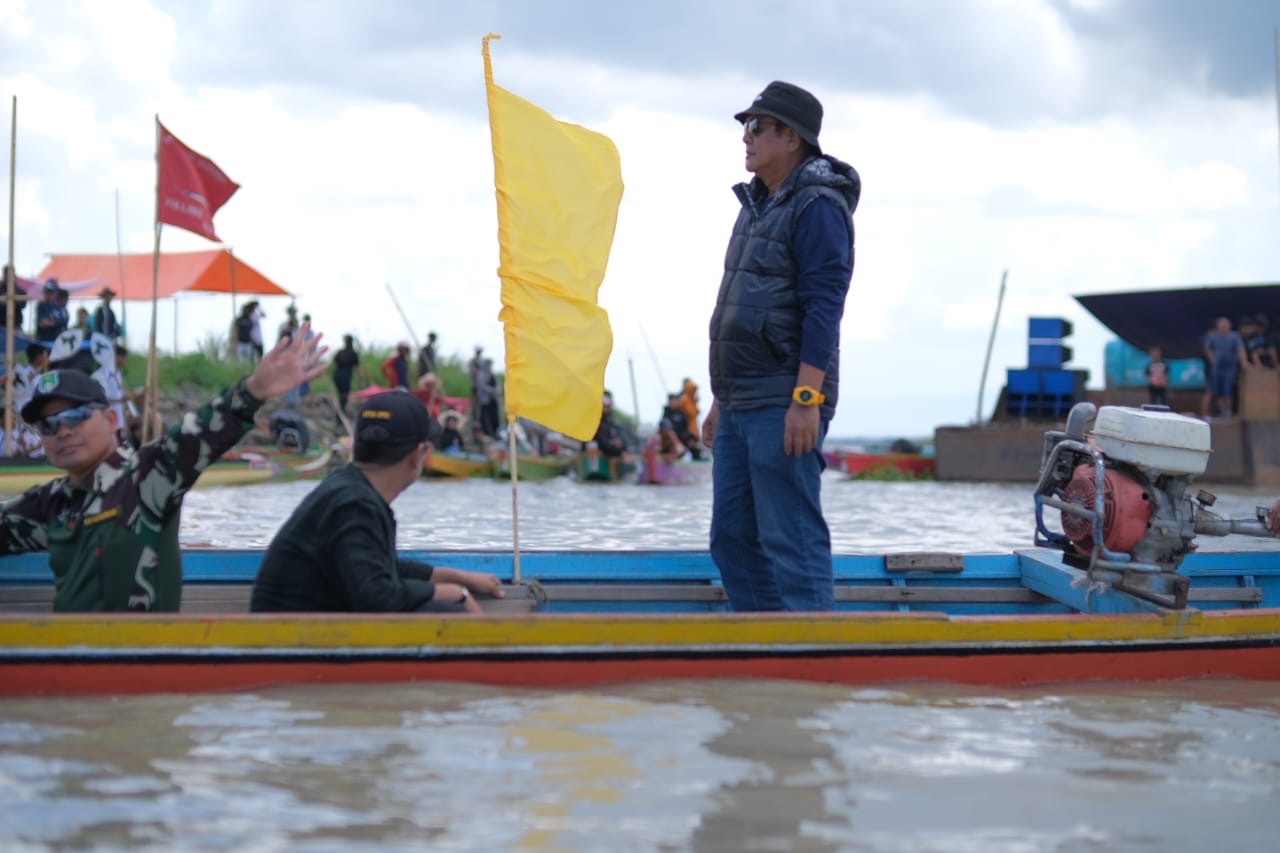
x=823 y=249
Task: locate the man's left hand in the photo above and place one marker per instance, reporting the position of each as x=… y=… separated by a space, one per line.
x=290 y=362
x=800 y=434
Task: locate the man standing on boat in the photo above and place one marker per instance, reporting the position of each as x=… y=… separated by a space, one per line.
x=775 y=356
x=337 y=552
x=111 y=524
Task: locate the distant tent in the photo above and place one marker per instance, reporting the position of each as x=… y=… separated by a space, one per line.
x=207 y=272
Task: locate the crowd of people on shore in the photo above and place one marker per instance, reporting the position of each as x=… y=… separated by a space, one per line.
x=94 y=345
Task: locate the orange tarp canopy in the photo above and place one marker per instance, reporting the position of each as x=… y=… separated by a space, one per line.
x=208 y=272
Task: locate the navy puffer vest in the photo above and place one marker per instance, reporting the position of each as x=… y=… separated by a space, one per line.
x=756 y=325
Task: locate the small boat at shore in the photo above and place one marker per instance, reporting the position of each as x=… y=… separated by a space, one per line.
x=459 y=465
x=532 y=468
x=655 y=471
x=592 y=466
x=237 y=469
x=887 y=466
x=594 y=617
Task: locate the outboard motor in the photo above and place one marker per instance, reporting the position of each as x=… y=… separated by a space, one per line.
x=1122 y=490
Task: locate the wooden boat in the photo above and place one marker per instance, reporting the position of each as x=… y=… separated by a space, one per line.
x=16 y=476
x=583 y=618
x=884 y=466
x=460 y=465
x=532 y=468
x=655 y=472
x=592 y=466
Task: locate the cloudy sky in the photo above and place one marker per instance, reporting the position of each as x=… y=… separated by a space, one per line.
x=1083 y=145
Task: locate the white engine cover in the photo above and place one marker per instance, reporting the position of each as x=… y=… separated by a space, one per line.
x=1161 y=441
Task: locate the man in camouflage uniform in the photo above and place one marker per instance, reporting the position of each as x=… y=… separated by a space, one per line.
x=111 y=524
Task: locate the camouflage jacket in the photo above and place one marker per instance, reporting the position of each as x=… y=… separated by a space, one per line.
x=114 y=545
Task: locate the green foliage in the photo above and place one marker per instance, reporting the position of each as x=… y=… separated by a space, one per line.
x=209 y=368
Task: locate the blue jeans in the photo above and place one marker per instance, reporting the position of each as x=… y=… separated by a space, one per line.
x=768 y=536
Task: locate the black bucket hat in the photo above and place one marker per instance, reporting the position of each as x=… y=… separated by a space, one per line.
x=797 y=108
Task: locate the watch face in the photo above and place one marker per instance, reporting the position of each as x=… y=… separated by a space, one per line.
x=806 y=396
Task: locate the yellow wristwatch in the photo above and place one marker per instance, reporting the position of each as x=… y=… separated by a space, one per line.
x=806 y=396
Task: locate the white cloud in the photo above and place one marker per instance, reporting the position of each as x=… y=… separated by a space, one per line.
x=345 y=191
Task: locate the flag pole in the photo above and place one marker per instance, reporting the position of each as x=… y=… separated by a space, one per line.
x=149 y=410
x=124 y=313
x=10 y=276
x=511 y=419
x=514 y=463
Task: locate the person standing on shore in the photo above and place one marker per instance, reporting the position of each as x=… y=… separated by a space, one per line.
x=775 y=357
x=104 y=317
x=427 y=356
x=345 y=363
x=1157 y=378
x=51 y=316
x=1224 y=352
x=110 y=524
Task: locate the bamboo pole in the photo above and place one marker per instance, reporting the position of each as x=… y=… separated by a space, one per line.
x=124 y=313
x=986 y=363
x=231 y=256
x=514 y=463
x=404 y=317
x=150 y=407
x=10 y=275
x=635 y=395
x=657 y=367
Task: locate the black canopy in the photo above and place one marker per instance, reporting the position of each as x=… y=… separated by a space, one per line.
x=1176 y=320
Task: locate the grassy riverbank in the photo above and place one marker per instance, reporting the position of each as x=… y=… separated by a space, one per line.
x=209 y=369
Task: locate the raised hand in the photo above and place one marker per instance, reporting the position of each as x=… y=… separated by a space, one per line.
x=292 y=361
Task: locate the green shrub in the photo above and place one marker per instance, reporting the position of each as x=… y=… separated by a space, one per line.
x=208 y=368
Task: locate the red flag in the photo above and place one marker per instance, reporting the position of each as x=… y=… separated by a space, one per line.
x=192 y=187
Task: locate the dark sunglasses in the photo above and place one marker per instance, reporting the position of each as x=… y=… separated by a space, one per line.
x=70 y=418
x=755 y=125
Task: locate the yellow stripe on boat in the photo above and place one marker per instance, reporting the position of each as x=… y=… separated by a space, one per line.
x=244 y=632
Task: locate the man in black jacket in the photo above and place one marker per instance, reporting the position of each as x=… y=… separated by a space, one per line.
x=775 y=357
x=337 y=552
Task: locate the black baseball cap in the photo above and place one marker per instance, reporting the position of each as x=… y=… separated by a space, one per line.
x=392 y=420
x=66 y=384
x=797 y=108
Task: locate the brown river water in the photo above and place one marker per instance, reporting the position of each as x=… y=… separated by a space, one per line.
x=716 y=765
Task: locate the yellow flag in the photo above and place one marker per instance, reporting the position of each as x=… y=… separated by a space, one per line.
x=558 y=186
